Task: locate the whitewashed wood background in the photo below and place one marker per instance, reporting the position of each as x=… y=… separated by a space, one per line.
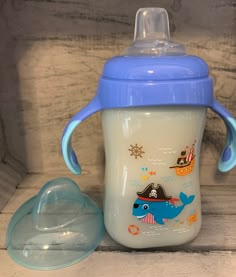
x=51 y=55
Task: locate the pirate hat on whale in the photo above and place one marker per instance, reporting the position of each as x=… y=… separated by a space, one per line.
x=153 y=192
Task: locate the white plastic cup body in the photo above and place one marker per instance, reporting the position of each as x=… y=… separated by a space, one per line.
x=158 y=146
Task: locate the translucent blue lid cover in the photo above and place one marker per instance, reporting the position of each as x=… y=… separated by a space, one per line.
x=58 y=227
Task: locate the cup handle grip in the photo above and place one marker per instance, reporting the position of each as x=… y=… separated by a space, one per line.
x=68 y=153
x=228 y=157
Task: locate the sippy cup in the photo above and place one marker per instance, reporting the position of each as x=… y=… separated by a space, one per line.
x=154 y=101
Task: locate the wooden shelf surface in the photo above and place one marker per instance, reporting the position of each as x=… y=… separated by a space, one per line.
x=212 y=253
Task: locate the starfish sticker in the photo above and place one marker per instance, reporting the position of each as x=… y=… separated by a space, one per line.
x=192 y=218
x=145 y=177
x=136 y=151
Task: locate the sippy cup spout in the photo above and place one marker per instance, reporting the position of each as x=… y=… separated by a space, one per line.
x=151 y=23
x=152 y=34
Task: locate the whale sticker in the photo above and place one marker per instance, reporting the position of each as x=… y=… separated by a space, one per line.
x=153 y=206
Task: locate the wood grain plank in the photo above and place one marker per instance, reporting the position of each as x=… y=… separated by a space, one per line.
x=9 y=179
x=83 y=18
x=216 y=199
x=103 y=264
x=2 y=140
x=4 y=221
x=217 y=233
x=36 y=181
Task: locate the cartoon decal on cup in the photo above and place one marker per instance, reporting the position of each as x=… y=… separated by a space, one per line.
x=192 y=218
x=136 y=151
x=154 y=206
x=133 y=229
x=185 y=162
x=144 y=178
x=147 y=173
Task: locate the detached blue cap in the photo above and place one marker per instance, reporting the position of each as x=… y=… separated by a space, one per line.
x=58 y=227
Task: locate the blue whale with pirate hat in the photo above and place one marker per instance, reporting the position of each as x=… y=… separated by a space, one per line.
x=153 y=200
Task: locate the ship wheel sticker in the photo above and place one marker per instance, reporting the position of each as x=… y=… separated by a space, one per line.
x=136 y=150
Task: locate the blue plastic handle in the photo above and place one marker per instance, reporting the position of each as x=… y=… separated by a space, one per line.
x=228 y=157
x=67 y=151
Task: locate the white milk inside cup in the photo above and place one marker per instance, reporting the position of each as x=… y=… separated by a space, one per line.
x=162 y=133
